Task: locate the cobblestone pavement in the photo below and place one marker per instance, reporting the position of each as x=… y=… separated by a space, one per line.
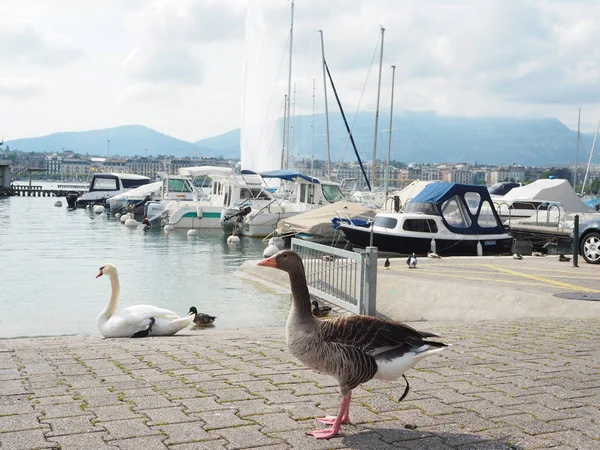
x=502 y=385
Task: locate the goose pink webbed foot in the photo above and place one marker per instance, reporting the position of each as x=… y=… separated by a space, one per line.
x=330 y=420
x=326 y=433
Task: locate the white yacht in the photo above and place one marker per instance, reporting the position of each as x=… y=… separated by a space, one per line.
x=183 y=205
x=255 y=210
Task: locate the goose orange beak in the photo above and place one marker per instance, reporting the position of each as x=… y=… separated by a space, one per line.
x=269 y=262
x=100 y=274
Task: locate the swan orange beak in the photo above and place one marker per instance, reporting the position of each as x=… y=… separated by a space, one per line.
x=100 y=274
x=269 y=262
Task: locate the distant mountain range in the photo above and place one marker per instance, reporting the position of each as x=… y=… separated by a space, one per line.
x=417 y=137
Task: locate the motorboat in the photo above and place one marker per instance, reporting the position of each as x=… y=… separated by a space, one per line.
x=321 y=225
x=296 y=193
x=184 y=205
x=449 y=219
x=135 y=199
x=546 y=197
x=106 y=185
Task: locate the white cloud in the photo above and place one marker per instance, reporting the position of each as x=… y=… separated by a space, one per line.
x=24 y=43
x=20 y=89
x=172 y=34
x=176 y=65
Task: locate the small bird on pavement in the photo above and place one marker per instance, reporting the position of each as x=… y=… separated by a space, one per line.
x=412 y=261
x=563 y=258
x=517 y=256
x=433 y=255
x=386 y=264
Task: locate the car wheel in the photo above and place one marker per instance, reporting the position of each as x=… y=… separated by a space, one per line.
x=590 y=248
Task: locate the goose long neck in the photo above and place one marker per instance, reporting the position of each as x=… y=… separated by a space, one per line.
x=115 y=288
x=300 y=295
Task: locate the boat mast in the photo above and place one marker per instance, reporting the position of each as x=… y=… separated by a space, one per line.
x=312 y=149
x=374 y=171
x=285 y=104
x=289 y=92
x=326 y=109
x=590 y=160
x=577 y=151
x=292 y=139
x=387 y=174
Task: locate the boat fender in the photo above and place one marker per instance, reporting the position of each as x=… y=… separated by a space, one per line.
x=479 y=249
x=199 y=212
x=433 y=246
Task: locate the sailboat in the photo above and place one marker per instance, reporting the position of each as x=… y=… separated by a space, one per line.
x=293 y=192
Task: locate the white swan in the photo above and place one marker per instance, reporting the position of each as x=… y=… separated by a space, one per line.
x=136 y=318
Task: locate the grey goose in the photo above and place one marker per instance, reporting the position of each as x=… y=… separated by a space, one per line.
x=354 y=349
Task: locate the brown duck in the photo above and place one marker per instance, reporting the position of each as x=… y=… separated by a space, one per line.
x=353 y=349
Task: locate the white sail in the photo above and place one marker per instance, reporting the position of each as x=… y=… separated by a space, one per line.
x=265 y=85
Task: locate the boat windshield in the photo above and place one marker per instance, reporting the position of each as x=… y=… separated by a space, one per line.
x=486 y=218
x=177 y=185
x=421 y=207
x=455 y=214
x=104 y=184
x=332 y=193
x=385 y=222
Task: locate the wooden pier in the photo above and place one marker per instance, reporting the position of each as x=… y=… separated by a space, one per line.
x=39 y=191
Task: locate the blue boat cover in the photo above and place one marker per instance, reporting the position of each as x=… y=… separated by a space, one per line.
x=284 y=174
x=438 y=193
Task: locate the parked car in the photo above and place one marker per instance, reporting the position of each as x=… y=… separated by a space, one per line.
x=589 y=240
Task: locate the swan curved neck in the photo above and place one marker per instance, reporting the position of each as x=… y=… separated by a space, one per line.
x=111 y=307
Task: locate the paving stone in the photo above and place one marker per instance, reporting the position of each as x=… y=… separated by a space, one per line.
x=276 y=422
x=168 y=415
x=83 y=441
x=223 y=419
x=71 y=425
x=217 y=444
x=299 y=439
x=25 y=439
x=129 y=428
x=181 y=433
x=203 y=404
x=108 y=400
x=62 y=410
x=506 y=383
x=20 y=422
x=145 y=442
x=302 y=410
x=16 y=408
x=116 y=412
x=56 y=400
x=246 y=437
x=153 y=401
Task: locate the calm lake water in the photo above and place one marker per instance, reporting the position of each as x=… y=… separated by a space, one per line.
x=50 y=256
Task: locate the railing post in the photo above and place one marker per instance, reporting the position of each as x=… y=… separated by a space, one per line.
x=369 y=305
x=575 y=240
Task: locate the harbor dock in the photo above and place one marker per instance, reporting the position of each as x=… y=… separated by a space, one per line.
x=60 y=190
x=522 y=373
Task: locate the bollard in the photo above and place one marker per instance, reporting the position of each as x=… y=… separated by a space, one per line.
x=575 y=240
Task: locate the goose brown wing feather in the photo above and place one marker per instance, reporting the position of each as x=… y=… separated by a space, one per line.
x=370 y=334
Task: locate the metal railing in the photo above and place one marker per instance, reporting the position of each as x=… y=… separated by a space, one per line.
x=535 y=211
x=345 y=278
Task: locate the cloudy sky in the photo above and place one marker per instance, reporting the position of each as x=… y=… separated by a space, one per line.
x=177 y=65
